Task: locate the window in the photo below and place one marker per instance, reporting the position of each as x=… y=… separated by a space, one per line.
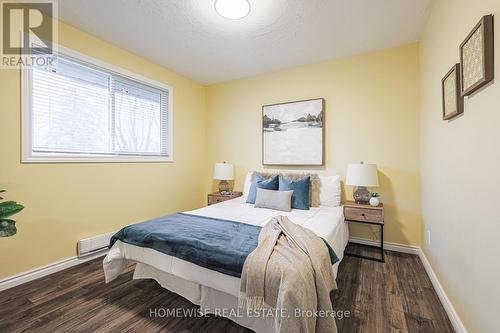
x=80 y=109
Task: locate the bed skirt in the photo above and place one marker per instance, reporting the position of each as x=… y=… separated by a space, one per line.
x=211 y=301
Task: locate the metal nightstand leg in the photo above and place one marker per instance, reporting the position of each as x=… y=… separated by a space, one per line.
x=382 y=242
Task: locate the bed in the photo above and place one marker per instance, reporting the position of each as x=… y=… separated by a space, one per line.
x=215 y=292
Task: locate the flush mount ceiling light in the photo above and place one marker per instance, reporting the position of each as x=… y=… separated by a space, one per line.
x=232 y=9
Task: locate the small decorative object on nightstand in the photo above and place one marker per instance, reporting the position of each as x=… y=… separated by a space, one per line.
x=224 y=172
x=362 y=175
x=216 y=197
x=374 y=201
x=360 y=213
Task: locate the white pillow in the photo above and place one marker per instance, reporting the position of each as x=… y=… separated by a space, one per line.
x=247 y=184
x=329 y=191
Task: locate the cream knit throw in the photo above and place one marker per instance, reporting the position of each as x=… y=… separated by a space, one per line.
x=290 y=272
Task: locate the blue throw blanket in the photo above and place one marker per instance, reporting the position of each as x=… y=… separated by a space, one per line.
x=216 y=244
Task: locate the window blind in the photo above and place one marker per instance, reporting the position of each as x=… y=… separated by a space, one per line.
x=78 y=108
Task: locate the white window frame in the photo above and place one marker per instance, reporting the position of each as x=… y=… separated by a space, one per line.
x=27 y=154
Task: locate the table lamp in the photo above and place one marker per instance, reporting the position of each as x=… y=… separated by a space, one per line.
x=223 y=172
x=361 y=175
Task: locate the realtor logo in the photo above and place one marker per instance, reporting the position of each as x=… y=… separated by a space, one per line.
x=28 y=32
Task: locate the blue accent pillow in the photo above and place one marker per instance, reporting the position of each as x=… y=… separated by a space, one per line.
x=300 y=187
x=261 y=182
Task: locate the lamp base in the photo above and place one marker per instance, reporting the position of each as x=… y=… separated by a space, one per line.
x=361 y=195
x=224 y=187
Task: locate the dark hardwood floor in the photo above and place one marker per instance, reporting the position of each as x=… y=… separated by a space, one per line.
x=396 y=296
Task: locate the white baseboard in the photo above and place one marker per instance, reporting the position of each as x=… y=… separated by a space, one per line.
x=457 y=324
x=39 y=272
x=387 y=245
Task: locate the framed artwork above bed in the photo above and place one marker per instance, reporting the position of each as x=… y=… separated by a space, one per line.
x=293 y=133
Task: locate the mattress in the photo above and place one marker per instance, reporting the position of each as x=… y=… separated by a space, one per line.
x=326 y=222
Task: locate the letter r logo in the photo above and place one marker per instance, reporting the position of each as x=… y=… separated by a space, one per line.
x=27 y=26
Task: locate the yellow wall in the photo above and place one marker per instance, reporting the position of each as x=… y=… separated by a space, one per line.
x=68 y=202
x=371 y=115
x=460 y=178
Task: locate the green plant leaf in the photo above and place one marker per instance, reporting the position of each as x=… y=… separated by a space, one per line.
x=7 y=228
x=9 y=208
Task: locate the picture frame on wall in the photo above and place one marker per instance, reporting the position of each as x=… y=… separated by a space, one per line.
x=453 y=101
x=476 y=57
x=293 y=133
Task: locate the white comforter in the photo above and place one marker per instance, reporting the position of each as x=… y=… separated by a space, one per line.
x=326 y=222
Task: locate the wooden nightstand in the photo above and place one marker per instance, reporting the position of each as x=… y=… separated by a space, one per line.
x=214 y=198
x=358 y=213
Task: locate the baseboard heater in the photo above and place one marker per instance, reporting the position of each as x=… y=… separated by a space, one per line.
x=94 y=244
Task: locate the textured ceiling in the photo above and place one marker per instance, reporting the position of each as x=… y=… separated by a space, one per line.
x=189 y=37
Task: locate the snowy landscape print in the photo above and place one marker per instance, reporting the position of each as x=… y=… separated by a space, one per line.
x=293 y=133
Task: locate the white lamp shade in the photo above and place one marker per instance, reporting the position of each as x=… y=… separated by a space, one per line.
x=362 y=175
x=223 y=171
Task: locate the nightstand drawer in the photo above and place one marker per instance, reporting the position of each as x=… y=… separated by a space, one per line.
x=212 y=199
x=215 y=198
x=364 y=214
